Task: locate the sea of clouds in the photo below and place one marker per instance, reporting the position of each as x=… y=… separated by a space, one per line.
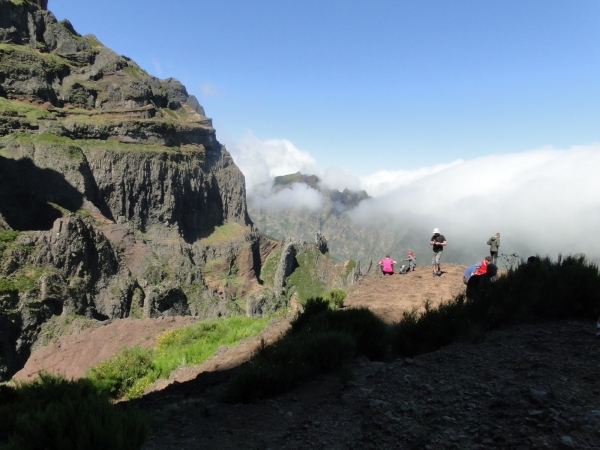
x=543 y=201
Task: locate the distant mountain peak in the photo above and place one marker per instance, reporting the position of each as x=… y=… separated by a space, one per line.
x=347 y=197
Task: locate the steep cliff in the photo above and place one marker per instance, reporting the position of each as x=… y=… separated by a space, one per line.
x=116 y=198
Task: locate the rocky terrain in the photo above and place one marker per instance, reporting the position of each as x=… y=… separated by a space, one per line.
x=116 y=198
x=530 y=386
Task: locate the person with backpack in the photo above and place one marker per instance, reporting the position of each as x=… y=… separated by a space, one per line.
x=438 y=242
x=387 y=265
x=494 y=243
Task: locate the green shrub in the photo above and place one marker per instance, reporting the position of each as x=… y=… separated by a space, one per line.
x=335 y=297
x=8 y=236
x=320 y=340
x=567 y=288
x=117 y=375
x=55 y=414
x=369 y=333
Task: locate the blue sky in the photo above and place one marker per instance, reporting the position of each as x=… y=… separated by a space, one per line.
x=394 y=85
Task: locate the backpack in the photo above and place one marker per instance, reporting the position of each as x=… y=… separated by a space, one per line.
x=404 y=269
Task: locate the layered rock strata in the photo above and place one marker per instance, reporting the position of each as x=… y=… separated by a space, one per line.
x=116 y=198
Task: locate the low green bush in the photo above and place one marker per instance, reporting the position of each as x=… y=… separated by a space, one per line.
x=335 y=297
x=320 y=340
x=544 y=289
x=8 y=235
x=117 y=375
x=52 y=413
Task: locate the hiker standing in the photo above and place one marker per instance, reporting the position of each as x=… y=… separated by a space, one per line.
x=494 y=243
x=387 y=265
x=438 y=241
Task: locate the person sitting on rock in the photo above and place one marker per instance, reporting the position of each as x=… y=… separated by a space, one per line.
x=412 y=261
x=387 y=265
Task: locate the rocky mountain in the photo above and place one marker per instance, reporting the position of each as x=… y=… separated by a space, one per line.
x=116 y=198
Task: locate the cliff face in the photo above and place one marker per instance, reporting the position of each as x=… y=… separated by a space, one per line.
x=116 y=198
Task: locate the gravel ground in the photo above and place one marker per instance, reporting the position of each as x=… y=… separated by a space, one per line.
x=530 y=386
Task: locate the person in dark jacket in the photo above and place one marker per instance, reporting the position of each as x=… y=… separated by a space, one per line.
x=494 y=243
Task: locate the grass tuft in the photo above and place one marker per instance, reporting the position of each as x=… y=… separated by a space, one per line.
x=335 y=297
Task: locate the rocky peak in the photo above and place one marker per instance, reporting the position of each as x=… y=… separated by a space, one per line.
x=116 y=198
x=346 y=198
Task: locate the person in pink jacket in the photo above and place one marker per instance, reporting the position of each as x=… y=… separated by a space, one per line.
x=387 y=265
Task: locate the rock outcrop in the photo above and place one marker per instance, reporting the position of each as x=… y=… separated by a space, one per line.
x=302 y=270
x=71 y=269
x=116 y=198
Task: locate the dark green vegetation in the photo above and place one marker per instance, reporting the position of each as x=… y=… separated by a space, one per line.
x=129 y=372
x=52 y=413
x=304 y=278
x=322 y=340
x=544 y=290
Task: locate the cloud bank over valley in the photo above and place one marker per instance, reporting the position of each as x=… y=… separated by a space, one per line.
x=544 y=201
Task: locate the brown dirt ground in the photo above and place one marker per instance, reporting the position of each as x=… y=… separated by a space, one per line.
x=72 y=355
x=388 y=296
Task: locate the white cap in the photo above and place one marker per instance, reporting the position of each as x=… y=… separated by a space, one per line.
x=436 y=230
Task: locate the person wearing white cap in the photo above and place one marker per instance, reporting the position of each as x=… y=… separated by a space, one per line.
x=438 y=241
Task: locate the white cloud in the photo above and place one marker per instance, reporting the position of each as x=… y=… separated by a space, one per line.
x=262 y=161
x=209 y=90
x=384 y=181
x=297 y=196
x=340 y=178
x=543 y=201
